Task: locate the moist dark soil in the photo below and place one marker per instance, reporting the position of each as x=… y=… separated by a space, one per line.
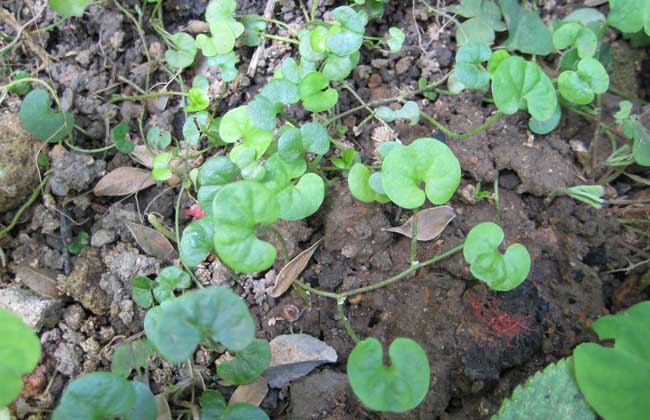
x=480 y=343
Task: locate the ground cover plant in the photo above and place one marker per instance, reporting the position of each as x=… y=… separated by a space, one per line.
x=252 y=167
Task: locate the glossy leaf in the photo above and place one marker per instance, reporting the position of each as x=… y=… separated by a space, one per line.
x=196 y=242
x=615 y=379
x=130 y=356
x=359 y=185
x=236 y=125
x=396 y=388
x=469 y=70
x=500 y=272
x=527 y=32
x=574 y=34
x=212 y=315
x=303 y=199
x=424 y=160
x=581 y=86
x=238 y=208
x=316 y=93
x=247 y=365
x=184 y=53
x=518 y=84
x=629 y=15
x=19 y=353
x=43 y=123
x=69 y=8
x=170 y=279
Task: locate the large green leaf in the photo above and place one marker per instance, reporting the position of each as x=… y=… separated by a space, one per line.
x=615 y=380
x=302 y=199
x=549 y=394
x=526 y=30
x=44 y=124
x=581 y=86
x=518 y=84
x=19 y=354
x=213 y=315
x=425 y=160
x=247 y=365
x=69 y=8
x=500 y=272
x=396 y=388
x=238 y=209
x=629 y=15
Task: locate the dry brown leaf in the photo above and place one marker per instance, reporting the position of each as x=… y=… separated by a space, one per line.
x=152 y=242
x=252 y=393
x=292 y=270
x=143 y=155
x=124 y=181
x=430 y=223
x=162 y=407
x=43 y=282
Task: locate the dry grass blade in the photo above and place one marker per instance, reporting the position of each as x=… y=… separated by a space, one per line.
x=292 y=270
x=162 y=406
x=43 y=282
x=252 y=393
x=430 y=223
x=152 y=242
x=124 y=181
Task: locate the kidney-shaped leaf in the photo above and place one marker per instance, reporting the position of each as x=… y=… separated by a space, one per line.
x=213 y=315
x=303 y=199
x=184 y=53
x=469 y=70
x=237 y=210
x=236 y=125
x=248 y=364
x=520 y=84
x=316 y=93
x=196 y=242
x=44 y=124
x=615 y=380
x=396 y=388
x=425 y=160
x=582 y=86
x=500 y=272
x=629 y=15
x=574 y=33
x=359 y=185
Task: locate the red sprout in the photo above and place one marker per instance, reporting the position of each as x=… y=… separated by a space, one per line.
x=498 y=322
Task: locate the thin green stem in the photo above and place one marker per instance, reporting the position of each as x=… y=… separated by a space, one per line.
x=454 y=135
x=81 y=150
x=23 y=208
x=281 y=24
x=160 y=227
x=314 y=9
x=120 y=98
x=346 y=322
x=281 y=38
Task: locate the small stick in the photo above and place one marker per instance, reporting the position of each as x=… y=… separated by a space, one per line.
x=259 y=51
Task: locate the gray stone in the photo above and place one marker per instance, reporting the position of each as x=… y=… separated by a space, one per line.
x=37 y=312
x=294 y=356
x=102 y=237
x=321 y=395
x=68 y=358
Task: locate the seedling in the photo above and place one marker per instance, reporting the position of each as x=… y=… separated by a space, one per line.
x=395 y=39
x=634 y=130
x=79 y=243
x=589 y=194
x=158 y=138
x=213 y=407
x=23 y=88
x=44 y=124
x=123 y=143
x=409 y=111
x=131 y=356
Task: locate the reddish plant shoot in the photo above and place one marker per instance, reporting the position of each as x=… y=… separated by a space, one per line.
x=496 y=321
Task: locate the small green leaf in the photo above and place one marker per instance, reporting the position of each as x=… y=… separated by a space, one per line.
x=424 y=160
x=359 y=185
x=130 y=356
x=213 y=404
x=350 y=19
x=247 y=365
x=254 y=26
x=213 y=315
x=170 y=279
x=337 y=68
x=314 y=138
x=237 y=210
x=281 y=91
x=43 y=123
x=629 y=15
x=395 y=39
x=303 y=199
x=520 y=84
x=22 y=88
x=122 y=143
x=475 y=30
x=624 y=111
x=305 y=48
x=526 y=30
x=69 y=8
x=641 y=147
x=158 y=139
x=569 y=60
x=222 y=11
x=396 y=388
x=546 y=126
x=196 y=242
x=227 y=63
x=316 y=93
x=615 y=379
x=191 y=132
x=500 y=272
x=496 y=59
x=161 y=170
x=197 y=96
x=469 y=70
x=19 y=354
x=574 y=34
x=141 y=291
x=582 y=86
x=183 y=54
x=243 y=411
x=549 y=394
x=236 y=125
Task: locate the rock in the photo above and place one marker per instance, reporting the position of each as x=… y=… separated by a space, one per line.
x=379 y=63
x=68 y=358
x=83 y=283
x=323 y=395
x=294 y=356
x=102 y=237
x=74 y=172
x=18 y=175
x=403 y=65
x=37 y=312
x=374 y=81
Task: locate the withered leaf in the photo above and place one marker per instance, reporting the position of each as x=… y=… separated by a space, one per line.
x=162 y=406
x=41 y=281
x=124 y=181
x=252 y=393
x=143 y=155
x=430 y=223
x=152 y=242
x=293 y=269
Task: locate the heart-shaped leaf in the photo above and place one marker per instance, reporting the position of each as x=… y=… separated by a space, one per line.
x=131 y=356
x=158 y=139
x=213 y=175
x=316 y=93
x=359 y=185
x=69 y=8
x=170 y=279
x=303 y=199
x=520 y=84
x=236 y=125
x=629 y=16
x=248 y=364
x=222 y=11
x=213 y=315
x=141 y=291
x=425 y=160
x=222 y=40
x=228 y=65
x=238 y=209
x=44 y=124
x=500 y=272
x=469 y=70
x=546 y=126
x=581 y=86
x=19 y=354
x=183 y=54
x=395 y=39
x=526 y=30
x=615 y=379
x=396 y=388
x=574 y=34
x=196 y=242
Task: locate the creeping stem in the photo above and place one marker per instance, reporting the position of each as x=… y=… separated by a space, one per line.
x=454 y=135
x=21 y=210
x=346 y=322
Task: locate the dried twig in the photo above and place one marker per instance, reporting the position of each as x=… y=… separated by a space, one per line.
x=259 y=51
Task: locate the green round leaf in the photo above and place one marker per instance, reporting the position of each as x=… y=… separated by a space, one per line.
x=69 y=8
x=122 y=143
x=19 y=354
x=581 y=86
x=305 y=48
x=213 y=314
x=303 y=199
x=161 y=170
x=262 y=112
x=247 y=365
x=170 y=279
x=238 y=208
x=520 y=84
x=213 y=405
x=145 y=406
x=350 y=19
x=130 y=356
x=314 y=138
x=469 y=70
x=243 y=411
x=44 y=124
x=228 y=65
x=546 y=126
x=337 y=68
x=425 y=160
x=629 y=16
x=574 y=34
x=359 y=185
x=196 y=242
x=141 y=291
x=236 y=125
x=290 y=144
x=396 y=388
x=615 y=380
x=500 y=272
x=395 y=39
x=183 y=54
x=282 y=91
x=475 y=30
x=158 y=139
x=316 y=93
